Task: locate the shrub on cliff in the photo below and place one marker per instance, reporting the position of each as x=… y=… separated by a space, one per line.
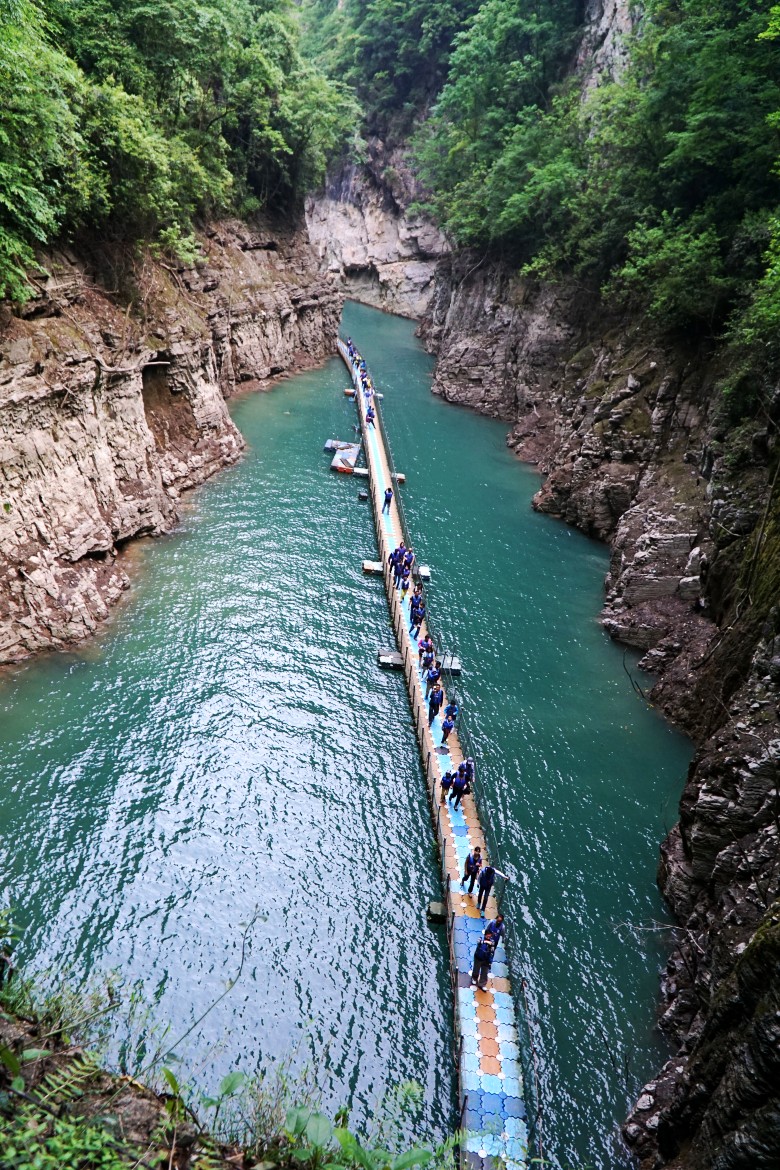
x=657 y=184
x=133 y=118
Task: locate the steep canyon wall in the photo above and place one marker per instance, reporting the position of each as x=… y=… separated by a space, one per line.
x=637 y=450
x=368 y=239
x=112 y=405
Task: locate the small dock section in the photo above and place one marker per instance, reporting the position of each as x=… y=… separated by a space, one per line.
x=490 y=1078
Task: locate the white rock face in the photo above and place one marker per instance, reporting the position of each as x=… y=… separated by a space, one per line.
x=603 y=53
x=383 y=256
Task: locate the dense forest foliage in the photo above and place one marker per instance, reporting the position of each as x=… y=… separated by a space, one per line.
x=662 y=182
x=659 y=185
x=393 y=53
x=131 y=117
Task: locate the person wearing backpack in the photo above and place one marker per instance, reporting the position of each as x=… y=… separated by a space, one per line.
x=487 y=879
x=472 y=867
x=483 y=960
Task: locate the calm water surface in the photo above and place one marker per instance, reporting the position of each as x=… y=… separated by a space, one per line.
x=230 y=749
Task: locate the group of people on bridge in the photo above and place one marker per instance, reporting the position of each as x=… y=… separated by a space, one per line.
x=455 y=783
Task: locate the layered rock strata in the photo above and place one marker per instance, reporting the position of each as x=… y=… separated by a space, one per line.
x=111 y=407
x=364 y=233
x=637 y=450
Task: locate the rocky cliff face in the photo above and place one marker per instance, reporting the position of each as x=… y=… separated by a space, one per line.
x=365 y=236
x=638 y=451
x=110 y=408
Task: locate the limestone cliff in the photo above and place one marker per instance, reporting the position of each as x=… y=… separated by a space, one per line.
x=365 y=235
x=638 y=450
x=112 y=405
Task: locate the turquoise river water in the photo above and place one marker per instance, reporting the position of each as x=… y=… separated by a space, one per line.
x=229 y=753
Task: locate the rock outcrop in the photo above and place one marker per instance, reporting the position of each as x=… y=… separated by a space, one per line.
x=109 y=411
x=366 y=236
x=637 y=450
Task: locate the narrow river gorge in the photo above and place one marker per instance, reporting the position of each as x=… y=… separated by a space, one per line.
x=228 y=752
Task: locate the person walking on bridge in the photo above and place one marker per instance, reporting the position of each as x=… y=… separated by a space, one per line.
x=435 y=700
x=451 y=711
x=472 y=867
x=432 y=676
x=388 y=499
x=495 y=929
x=460 y=789
x=483 y=961
x=487 y=879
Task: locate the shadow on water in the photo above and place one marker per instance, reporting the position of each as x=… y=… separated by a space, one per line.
x=230 y=748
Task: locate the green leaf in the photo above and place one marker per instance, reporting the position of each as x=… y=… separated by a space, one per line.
x=17 y=1084
x=35 y=1053
x=10 y=1060
x=318 y=1131
x=416 y=1157
x=295 y=1122
x=232 y=1083
x=172 y=1082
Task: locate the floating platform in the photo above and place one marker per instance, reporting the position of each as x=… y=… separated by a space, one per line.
x=345 y=459
x=392 y=660
x=338 y=444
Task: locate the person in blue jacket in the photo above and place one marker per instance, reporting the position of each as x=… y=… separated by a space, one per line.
x=487 y=879
x=495 y=929
x=451 y=710
x=418 y=617
x=435 y=701
x=432 y=676
x=471 y=869
x=483 y=960
x=458 y=790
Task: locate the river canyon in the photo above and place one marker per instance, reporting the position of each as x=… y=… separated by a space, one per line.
x=239 y=751
x=211 y=744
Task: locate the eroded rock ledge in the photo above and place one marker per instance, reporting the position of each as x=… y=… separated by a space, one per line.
x=364 y=233
x=637 y=450
x=112 y=405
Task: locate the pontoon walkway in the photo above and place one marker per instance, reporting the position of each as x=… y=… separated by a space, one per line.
x=491 y=1094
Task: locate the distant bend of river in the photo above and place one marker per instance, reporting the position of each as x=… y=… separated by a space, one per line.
x=229 y=752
